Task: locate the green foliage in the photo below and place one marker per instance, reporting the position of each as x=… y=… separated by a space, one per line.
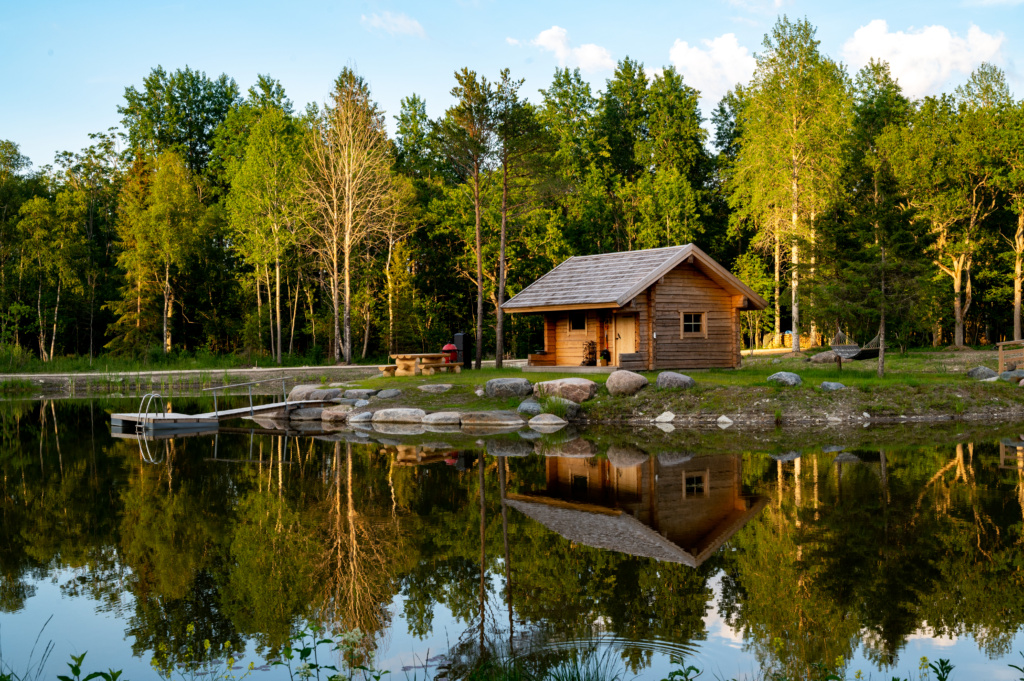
x=76 y=672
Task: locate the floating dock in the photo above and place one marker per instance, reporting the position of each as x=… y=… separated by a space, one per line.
x=151 y=423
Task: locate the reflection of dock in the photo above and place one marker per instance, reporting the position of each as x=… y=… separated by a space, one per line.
x=209 y=420
x=680 y=513
x=1011 y=454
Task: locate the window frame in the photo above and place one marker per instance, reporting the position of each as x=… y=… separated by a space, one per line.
x=703 y=333
x=705 y=476
x=586 y=322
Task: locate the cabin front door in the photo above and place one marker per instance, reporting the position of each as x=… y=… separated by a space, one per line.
x=625 y=336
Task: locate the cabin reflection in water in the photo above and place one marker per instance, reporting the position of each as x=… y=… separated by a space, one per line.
x=671 y=507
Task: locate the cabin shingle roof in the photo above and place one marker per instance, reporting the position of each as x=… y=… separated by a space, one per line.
x=614 y=279
x=621 y=533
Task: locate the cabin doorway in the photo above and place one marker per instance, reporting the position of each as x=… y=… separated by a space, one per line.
x=625 y=337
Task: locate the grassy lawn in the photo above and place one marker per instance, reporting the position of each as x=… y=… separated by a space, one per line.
x=914 y=384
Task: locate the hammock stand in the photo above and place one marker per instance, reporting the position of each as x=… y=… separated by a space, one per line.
x=846 y=349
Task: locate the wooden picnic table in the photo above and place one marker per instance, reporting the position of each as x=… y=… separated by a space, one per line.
x=422 y=363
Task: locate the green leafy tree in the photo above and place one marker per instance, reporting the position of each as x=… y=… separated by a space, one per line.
x=945 y=165
x=467 y=134
x=264 y=205
x=54 y=241
x=178 y=112
x=792 y=136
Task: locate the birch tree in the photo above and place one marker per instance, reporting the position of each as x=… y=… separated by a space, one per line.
x=792 y=134
x=54 y=242
x=173 y=212
x=263 y=205
x=346 y=184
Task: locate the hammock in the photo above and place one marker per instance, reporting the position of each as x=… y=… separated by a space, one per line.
x=846 y=349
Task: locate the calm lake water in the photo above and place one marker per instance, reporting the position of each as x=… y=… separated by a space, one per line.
x=724 y=549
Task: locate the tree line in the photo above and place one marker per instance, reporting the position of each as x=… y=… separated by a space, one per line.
x=216 y=221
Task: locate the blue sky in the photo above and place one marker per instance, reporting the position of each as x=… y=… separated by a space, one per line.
x=64 y=65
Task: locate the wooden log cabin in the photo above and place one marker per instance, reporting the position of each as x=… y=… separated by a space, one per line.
x=662 y=308
x=672 y=508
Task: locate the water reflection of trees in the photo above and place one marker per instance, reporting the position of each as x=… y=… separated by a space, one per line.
x=852 y=553
x=874 y=550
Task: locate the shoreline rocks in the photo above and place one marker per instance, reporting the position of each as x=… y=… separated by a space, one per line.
x=981 y=373
x=508 y=387
x=398 y=415
x=624 y=382
x=787 y=378
x=671 y=379
x=578 y=390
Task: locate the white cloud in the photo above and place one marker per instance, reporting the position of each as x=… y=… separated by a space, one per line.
x=394 y=24
x=994 y=3
x=588 y=57
x=512 y=41
x=714 y=67
x=922 y=60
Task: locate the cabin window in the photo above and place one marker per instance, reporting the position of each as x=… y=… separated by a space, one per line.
x=692 y=325
x=578 y=490
x=694 y=484
x=577 y=321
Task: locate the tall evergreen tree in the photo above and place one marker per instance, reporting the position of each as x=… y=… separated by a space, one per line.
x=467 y=132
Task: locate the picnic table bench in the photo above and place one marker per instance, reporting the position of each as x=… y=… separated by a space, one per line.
x=422 y=363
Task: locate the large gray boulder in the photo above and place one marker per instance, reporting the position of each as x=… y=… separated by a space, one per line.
x=361 y=417
x=443 y=418
x=435 y=388
x=398 y=428
x=626 y=457
x=301 y=392
x=1014 y=375
x=389 y=394
x=670 y=379
x=338 y=412
x=830 y=386
x=785 y=378
x=530 y=407
x=505 y=447
x=398 y=416
x=508 y=387
x=324 y=394
x=674 y=458
x=827 y=357
x=575 y=449
x=576 y=389
x=546 y=420
x=360 y=393
x=624 y=382
x=310 y=414
x=491 y=419
x=981 y=373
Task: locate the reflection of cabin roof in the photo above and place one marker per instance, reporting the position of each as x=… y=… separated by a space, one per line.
x=611 y=529
x=614 y=279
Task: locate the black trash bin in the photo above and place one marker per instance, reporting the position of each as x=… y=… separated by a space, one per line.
x=464 y=344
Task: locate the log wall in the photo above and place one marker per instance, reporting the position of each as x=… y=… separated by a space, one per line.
x=686 y=289
x=661 y=345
